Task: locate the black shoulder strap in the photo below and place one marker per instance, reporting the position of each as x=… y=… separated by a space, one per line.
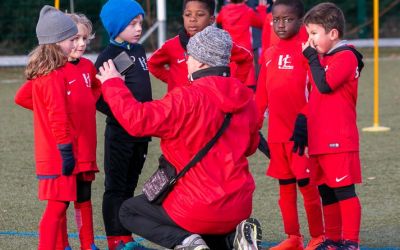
x=358 y=55
x=204 y=150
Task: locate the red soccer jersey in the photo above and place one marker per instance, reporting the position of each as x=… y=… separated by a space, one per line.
x=237 y=19
x=168 y=64
x=282 y=88
x=68 y=95
x=331 y=118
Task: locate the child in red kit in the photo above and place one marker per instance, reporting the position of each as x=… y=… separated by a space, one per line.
x=168 y=63
x=333 y=141
x=89 y=88
x=64 y=125
x=283 y=89
x=237 y=18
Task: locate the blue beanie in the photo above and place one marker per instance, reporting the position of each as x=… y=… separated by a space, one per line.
x=117 y=14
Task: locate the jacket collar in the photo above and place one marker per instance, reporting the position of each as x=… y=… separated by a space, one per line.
x=183 y=37
x=212 y=71
x=124 y=44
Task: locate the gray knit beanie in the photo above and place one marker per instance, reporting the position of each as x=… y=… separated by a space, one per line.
x=54 y=26
x=211 y=46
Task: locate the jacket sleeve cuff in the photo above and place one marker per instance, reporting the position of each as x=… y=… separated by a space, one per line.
x=310 y=53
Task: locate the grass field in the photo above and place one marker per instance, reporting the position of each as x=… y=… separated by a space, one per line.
x=20 y=210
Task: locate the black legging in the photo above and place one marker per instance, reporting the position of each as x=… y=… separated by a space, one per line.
x=123 y=163
x=84 y=192
x=152 y=223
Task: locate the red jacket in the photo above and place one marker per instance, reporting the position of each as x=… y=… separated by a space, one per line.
x=69 y=94
x=216 y=194
x=282 y=87
x=332 y=118
x=168 y=64
x=237 y=19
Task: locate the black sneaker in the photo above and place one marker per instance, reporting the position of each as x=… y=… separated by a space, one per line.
x=349 y=245
x=329 y=245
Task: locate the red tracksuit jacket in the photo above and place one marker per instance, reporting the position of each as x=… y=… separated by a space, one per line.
x=216 y=194
x=173 y=56
x=63 y=104
x=331 y=117
x=238 y=19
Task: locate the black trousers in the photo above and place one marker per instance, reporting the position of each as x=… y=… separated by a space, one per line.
x=123 y=163
x=152 y=223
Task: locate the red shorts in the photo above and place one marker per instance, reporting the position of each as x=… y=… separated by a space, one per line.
x=336 y=170
x=285 y=164
x=62 y=188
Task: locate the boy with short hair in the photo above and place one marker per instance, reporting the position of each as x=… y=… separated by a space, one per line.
x=168 y=63
x=333 y=135
x=124 y=155
x=283 y=89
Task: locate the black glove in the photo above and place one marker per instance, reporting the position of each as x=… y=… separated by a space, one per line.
x=311 y=54
x=263 y=146
x=300 y=137
x=67 y=155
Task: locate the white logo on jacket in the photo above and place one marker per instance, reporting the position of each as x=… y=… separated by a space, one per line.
x=341 y=178
x=357 y=73
x=86 y=77
x=143 y=63
x=284 y=62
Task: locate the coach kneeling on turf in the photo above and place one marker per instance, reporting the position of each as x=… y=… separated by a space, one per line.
x=215 y=196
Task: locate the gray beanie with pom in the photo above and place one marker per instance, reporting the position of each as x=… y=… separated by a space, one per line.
x=54 y=26
x=211 y=46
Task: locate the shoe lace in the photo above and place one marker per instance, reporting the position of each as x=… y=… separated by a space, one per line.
x=328 y=244
x=349 y=245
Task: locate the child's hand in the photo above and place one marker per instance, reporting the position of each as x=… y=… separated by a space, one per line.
x=307 y=44
x=108 y=71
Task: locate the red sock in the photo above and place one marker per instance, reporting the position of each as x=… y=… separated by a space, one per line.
x=288 y=205
x=84 y=223
x=113 y=241
x=50 y=224
x=333 y=221
x=312 y=205
x=62 y=236
x=351 y=218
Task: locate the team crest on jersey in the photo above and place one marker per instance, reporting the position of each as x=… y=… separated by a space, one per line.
x=86 y=77
x=285 y=62
x=357 y=73
x=143 y=63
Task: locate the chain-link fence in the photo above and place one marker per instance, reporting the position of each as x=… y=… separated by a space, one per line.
x=18 y=20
